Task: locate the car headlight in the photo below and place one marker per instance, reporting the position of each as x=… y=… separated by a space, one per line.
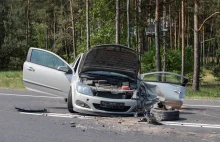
x=83 y=89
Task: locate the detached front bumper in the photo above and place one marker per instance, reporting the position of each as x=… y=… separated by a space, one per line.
x=92 y=105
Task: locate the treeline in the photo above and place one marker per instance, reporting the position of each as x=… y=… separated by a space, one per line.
x=180 y=36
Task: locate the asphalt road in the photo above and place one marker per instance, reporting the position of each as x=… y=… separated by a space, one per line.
x=200 y=121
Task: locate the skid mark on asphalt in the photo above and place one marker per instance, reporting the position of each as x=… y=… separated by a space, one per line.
x=59 y=115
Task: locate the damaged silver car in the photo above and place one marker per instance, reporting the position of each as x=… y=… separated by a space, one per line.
x=103 y=80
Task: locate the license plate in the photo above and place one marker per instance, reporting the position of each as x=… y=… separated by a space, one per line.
x=115 y=105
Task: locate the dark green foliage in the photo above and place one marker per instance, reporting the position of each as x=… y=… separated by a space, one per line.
x=216 y=71
x=13 y=49
x=173 y=62
x=148 y=62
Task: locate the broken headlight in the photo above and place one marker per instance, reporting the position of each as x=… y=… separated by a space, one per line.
x=83 y=89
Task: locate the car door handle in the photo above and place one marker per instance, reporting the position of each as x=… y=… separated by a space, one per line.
x=31 y=69
x=177 y=92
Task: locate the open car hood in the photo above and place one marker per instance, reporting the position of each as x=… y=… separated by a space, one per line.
x=112 y=58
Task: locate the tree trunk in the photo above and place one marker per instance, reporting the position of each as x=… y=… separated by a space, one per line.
x=179 y=31
x=46 y=31
x=164 y=36
x=28 y=22
x=63 y=41
x=188 y=32
x=66 y=50
x=203 y=47
x=128 y=23
x=73 y=28
x=175 y=36
x=183 y=38
x=196 y=70
x=140 y=31
x=136 y=23
x=208 y=54
x=54 y=28
x=201 y=51
x=212 y=24
x=170 y=21
x=150 y=22
x=117 y=23
x=87 y=24
x=157 y=43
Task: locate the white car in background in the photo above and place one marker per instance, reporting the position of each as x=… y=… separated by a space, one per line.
x=104 y=80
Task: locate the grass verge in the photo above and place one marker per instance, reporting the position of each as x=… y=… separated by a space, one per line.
x=205 y=92
x=11 y=79
x=209 y=89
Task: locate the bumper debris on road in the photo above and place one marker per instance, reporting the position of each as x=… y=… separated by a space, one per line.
x=29 y=109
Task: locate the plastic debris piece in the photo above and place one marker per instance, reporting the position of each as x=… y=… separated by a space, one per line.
x=28 y=109
x=150 y=118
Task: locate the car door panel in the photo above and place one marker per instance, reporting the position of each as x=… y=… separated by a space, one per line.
x=43 y=76
x=169 y=91
x=169 y=85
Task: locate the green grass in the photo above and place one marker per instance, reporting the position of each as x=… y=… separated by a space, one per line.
x=11 y=79
x=209 y=88
x=209 y=79
x=205 y=92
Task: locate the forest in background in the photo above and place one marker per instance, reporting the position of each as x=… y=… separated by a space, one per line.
x=181 y=36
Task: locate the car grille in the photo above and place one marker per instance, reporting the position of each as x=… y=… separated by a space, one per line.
x=115 y=109
x=114 y=96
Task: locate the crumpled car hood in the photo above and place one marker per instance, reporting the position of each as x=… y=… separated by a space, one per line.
x=113 y=58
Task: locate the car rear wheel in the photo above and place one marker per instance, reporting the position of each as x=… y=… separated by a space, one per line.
x=166 y=115
x=69 y=102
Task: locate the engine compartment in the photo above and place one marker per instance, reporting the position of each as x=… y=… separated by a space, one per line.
x=113 y=89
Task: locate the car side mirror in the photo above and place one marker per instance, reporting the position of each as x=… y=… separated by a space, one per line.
x=63 y=69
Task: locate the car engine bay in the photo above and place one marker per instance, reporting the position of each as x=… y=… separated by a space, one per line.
x=113 y=89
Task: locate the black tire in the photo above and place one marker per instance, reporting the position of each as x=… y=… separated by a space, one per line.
x=166 y=115
x=69 y=102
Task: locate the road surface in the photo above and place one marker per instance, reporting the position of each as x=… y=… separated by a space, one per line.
x=200 y=121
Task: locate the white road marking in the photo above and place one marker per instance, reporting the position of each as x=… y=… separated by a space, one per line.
x=67 y=115
x=200 y=105
x=169 y=123
x=19 y=95
x=192 y=124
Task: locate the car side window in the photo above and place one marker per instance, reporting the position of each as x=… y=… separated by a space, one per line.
x=46 y=59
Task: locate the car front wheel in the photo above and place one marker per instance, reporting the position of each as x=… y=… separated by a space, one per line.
x=69 y=102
